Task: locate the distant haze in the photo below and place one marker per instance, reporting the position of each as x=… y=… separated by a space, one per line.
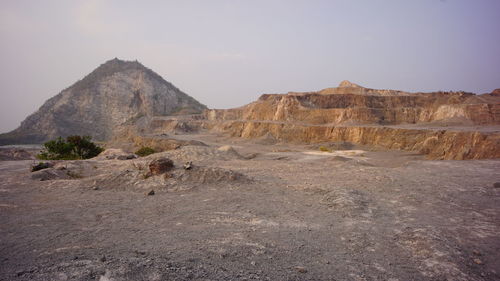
x=227 y=53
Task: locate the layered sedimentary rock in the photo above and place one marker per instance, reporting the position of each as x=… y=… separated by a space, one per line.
x=116 y=95
x=436 y=144
x=350 y=104
x=443 y=125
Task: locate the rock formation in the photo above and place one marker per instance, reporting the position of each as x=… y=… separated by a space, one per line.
x=352 y=104
x=116 y=95
x=443 y=125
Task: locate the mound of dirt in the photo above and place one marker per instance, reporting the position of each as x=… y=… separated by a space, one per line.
x=50 y=174
x=199 y=153
x=139 y=178
x=204 y=175
x=267 y=139
x=230 y=151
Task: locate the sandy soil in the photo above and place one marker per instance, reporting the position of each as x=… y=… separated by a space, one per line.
x=254 y=212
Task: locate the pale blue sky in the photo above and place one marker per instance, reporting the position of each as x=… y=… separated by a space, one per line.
x=227 y=53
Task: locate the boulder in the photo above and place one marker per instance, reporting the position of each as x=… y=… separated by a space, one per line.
x=160 y=166
x=41 y=166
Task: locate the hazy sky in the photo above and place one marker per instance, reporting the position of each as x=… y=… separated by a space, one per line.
x=227 y=53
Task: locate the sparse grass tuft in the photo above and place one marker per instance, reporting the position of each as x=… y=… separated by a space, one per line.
x=145 y=151
x=324 y=149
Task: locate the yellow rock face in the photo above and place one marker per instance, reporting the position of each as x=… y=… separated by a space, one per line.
x=443 y=125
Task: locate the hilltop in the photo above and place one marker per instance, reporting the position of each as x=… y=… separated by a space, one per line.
x=114 y=96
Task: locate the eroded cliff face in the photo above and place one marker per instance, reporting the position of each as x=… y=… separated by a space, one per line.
x=357 y=105
x=115 y=95
x=436 y=144
x=385 y=118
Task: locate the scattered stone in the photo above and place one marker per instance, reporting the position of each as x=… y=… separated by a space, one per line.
x=477 y=261
x=95 y=188
x=151 y=192
x=496 y=185
x=160 y=166
x=301 y=269
x=103 y=258
x=188 y=165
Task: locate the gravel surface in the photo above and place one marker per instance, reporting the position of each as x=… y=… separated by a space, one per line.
x=253 y=212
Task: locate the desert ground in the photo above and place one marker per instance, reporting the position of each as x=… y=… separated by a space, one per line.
x=252 y=210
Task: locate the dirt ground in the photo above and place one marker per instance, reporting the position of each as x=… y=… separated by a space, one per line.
x=253 y=212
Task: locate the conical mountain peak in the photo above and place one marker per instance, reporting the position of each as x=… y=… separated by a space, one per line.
x=348 y=84
x=116 y=94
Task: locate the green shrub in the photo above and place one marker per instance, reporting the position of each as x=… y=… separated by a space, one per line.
x=145 y=151
x=325 y=149
x=74 y=147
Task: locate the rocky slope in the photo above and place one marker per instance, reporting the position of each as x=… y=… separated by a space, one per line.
x=116 y=95
x=436 y=144
x=443 y=125
x=352 y=104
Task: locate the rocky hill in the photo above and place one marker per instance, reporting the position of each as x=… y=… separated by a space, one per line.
x=116 y=95
x=443 y=125
x=351 y=104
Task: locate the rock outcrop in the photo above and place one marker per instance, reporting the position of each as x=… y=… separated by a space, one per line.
x=116 y=95
x=352 y=104
x=442 y=125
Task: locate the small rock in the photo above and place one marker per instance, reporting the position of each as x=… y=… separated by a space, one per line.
x=301 y=269
x=188 y=165
x=41 y=166
x=476 y=252
x=95 y=188
x=496 y=185
x=151 y=192
x=160 y=166
x=477 y=261
x=103 y=258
